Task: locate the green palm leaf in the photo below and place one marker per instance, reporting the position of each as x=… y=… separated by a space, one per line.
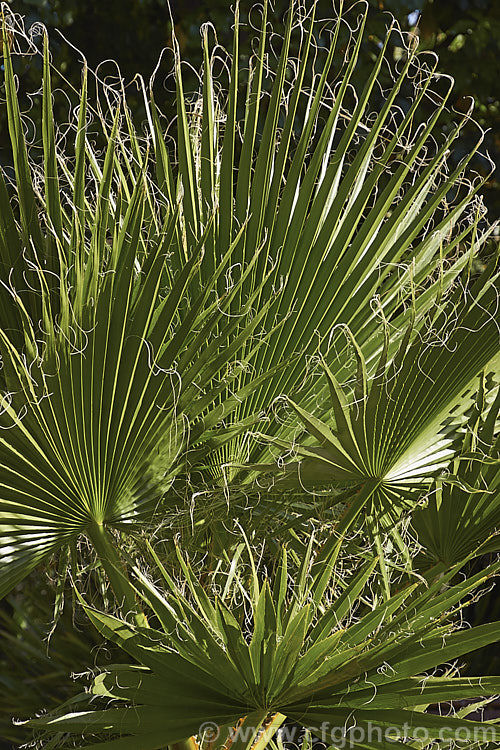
x=311 y=652
x=341 y=207
x=401 y=427
x=107 y=356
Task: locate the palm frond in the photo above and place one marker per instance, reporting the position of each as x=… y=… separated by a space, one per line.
x=348 y=208
x=464 y=517
x=400 y=427
x=108 y=358
x=309 y=651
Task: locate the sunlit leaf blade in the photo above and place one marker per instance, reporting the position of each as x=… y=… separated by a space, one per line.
x=401 y=429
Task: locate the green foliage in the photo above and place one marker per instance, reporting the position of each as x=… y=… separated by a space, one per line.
x=184 y=309
x=310 y=644
x=103 y=372
x=130 y=335
x=465 y=35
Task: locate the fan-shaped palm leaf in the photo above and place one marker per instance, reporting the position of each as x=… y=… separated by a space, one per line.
x=106 y=358
x=401 y=427
x=311 y=653
x=381 y=453
x=342 y=204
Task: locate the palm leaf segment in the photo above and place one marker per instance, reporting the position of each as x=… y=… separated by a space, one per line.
x=461 y=518
x=312 y=653
x=402 y=425
x=106 y=357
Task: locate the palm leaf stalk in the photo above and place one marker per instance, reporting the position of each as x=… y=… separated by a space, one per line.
x=258 y=646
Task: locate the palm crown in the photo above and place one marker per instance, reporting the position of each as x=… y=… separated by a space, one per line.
x=161 y=297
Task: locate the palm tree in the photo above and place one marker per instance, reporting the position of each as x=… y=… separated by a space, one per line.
x=184 y=311
x=164 y=311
